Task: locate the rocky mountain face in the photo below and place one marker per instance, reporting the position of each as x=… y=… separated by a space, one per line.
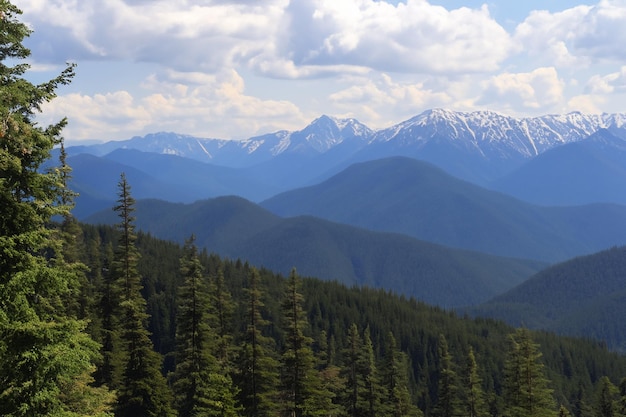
x=479 y=146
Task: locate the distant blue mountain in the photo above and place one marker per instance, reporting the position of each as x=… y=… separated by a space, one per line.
x=589 y=171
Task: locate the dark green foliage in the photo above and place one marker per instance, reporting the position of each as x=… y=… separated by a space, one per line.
x=579 y=297
x=526 y=388
x=606 y=405
x=302 y=391
x=257 y=376
x=474 y=404
x=46 y=356
x=447 y=404
x=395 y=382
x=233 y=227
x=573 y=366
x=141 y=387
x=199 y=384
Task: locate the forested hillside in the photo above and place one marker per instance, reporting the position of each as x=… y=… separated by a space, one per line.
x=235 y=227
x=334 y=319
x=106 y=321
x=579 y=297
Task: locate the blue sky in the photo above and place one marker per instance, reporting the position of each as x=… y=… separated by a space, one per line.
x=236 y=69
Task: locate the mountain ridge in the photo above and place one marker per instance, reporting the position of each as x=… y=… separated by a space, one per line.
x=534 y=134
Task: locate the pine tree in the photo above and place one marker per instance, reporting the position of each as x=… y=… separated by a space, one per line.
x=224 y=308
x=330 y=376
x=46 y=357
x=370 y=401
x=142 y=389
x=564 y=412
x=526 y=388
x=447 y=390
x=605 y=398
x=395 y=382
x=350 y=371
x=302 y=390
x=474 y=398
x=108 y=300
x=200 y=386
x=257 y=376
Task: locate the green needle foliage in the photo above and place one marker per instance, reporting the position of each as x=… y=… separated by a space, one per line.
x=526 y=388
x=200 y=387
x=142 y=389
x=258 y=377
x=46 y=357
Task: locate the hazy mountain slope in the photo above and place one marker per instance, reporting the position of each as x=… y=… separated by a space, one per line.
x=585 y=296
x=593 y=170
x=200 y=180
x=407 y=196
x=95 y=180
x=479 y=146
x=237 y=228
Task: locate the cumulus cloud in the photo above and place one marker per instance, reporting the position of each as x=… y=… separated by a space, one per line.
x=195 y=103
x=607 y=84
x=577 y=36
x=538 y=90
x=377 y=99
x=411 y=37
x=276 y=37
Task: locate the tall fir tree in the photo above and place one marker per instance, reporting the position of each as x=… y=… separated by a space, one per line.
x=302 y=390
x=201 y=388
x=350 y=372
x=46 y=357
x=257 y=368
x=474 y=404
x=606 y=404
x=526 y=388
x=142 y=389
x=395 y=382
x=370 y=402
x=224 y=308
x=447 y=404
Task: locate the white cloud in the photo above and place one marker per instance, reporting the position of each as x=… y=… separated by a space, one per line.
x=581 y=35
x=410 y=37
x=607 y=84
x=538 y=90
x=195 y=103
x=278 y=38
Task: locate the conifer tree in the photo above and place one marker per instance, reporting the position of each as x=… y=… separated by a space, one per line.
x=223 y=313
x=370 y=402
x=605 y=398
x=330 y=376
x=200 y=386
x=142 y=389
x=526 y=388
x=302 y=390
x=108 y=299
x=395 y=382
x=257 y=376
x=46 y=357
x=564 y=412
x=354 y=385
x=474 y=398
x=447 y=390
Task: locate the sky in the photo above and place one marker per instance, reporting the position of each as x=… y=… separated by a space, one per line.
x=242 y=68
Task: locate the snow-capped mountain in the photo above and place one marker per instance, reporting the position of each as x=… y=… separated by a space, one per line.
x=479 y=146
x=495 y=135
x=318 y=137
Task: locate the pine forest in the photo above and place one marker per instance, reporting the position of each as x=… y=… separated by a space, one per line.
x=110 y=321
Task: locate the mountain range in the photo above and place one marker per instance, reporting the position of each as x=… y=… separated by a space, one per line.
x=238 y=229
x=583 y=297
x=451 y=208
